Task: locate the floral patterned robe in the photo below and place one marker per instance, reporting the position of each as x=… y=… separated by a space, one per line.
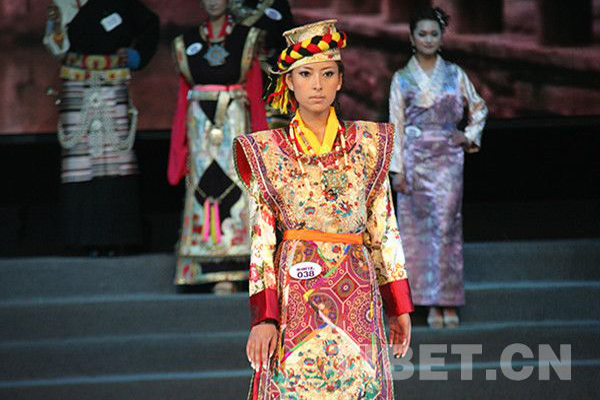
x=332 y=343
x=224 y=98
x=428 y=110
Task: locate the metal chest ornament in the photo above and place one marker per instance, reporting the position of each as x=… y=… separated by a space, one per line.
x=333 y=177
x=215 y=136
x=216 y=55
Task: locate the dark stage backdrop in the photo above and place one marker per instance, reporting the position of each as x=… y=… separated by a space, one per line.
x=528 y=58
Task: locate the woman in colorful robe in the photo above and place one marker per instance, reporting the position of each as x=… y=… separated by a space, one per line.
x=219 y=99
x=317 y=295
x=427 y=102
x=99 y=43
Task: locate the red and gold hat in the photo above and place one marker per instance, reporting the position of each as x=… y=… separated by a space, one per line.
x=316 y=42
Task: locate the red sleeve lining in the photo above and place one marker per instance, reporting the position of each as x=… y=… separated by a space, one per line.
x=243 y=166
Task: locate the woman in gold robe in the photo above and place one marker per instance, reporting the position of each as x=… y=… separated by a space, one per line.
x=317 y=295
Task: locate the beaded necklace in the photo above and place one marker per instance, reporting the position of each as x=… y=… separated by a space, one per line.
x=334 y=177
x=216 y=54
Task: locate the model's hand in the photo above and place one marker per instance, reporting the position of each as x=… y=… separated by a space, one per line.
x=54 y=14
x=459 y=139
x=400 y=328
x=471 y=148
x=261 y=344
x=399 y=183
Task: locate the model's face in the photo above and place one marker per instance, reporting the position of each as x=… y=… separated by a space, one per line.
x=315 y=85
x=427 y=37
x=215 y=8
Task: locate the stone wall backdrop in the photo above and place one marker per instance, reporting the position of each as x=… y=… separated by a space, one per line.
x=528 y=58
x=27 y=70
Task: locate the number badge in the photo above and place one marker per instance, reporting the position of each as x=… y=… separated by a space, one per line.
x=273 y=14
x=305 y=270
x=193 y=49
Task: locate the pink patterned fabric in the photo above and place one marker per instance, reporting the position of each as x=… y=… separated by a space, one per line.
x=332 y=340
x=428 y=110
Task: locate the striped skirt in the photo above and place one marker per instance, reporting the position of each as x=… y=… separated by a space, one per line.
x=100 y=199
x=94 y=131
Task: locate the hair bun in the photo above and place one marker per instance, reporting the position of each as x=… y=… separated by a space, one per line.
x=428 y=13
x=441 y=16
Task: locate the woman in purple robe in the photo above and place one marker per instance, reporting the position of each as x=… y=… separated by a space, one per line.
x=428 y=98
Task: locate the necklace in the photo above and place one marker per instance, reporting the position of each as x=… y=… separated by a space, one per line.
x=217 y=199
x=216 y=53
x=333 y=178
x=211 y=228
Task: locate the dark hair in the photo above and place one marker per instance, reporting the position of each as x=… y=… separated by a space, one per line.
x=336 y=102
x=273 y=81
x=429 y=13
x=341 y=67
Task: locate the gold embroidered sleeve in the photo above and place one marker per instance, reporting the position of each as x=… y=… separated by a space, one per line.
x=477 y=112
x=181 y=60
x=262 y=223
x=397 y=118
x=382 y=238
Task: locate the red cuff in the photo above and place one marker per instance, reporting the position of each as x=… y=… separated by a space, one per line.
x=396 y=298
x=264 y=305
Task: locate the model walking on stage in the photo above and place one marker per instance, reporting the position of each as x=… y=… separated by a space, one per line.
x=99 y=43
x=427 y=101
x=317 y=295
x=220 y=97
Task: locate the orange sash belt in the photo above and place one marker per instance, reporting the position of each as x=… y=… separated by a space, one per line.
x=318 y=236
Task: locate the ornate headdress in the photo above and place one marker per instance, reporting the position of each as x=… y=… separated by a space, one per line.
x=311 y=43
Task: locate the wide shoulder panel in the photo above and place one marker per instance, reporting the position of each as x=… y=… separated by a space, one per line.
x=377 y=142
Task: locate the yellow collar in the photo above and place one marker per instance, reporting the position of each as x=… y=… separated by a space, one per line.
x=330 y=134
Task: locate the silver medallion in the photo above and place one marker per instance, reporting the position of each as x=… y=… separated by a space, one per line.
x=216 y=55
x=215 y=136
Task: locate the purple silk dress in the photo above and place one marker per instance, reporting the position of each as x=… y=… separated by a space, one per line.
x=426 y=110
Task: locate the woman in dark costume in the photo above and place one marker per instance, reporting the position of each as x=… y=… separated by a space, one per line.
x=219 y=99
x=99 y=43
